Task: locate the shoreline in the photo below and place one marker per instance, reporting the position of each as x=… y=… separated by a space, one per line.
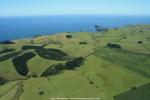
x=44 y=34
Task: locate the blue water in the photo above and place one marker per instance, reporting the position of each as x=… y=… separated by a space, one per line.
x=23 y=27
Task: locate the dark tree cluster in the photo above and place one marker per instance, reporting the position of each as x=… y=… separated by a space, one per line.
x=91 y=82
x=27 y=47
x=7 y=42
x=124 y=37
x=82 y=42
x=20 y=63
x=58 y=68
x=116 y=28
x=76 y=62
x=3 y=81
x=140 y=42
x=37 y=36
x=140 y=31
x=110 y=45
x=41 y=92
x=134 y=88
x=100 y=28
x=52 y=70
x=6 y=50
x=10 y=55
x=52 y=54
x=68 y=36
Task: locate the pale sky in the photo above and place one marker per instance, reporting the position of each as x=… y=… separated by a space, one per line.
x=71 y=7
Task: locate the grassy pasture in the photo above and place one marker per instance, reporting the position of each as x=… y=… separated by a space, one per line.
x=127 y=59
x=105 y=73
x=140 y=93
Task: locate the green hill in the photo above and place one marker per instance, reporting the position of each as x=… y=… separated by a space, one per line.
x=110 y=65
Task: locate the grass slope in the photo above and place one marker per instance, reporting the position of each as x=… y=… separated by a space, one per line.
x=106 y=72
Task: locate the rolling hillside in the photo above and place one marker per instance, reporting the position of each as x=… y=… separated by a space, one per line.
x=110 y=65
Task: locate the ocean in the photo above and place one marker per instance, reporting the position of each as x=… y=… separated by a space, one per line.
x=26 y=27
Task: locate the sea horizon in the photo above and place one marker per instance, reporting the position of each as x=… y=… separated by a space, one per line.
x=17 y=27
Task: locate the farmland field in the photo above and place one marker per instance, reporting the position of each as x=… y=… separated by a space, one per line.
x=110 y=65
